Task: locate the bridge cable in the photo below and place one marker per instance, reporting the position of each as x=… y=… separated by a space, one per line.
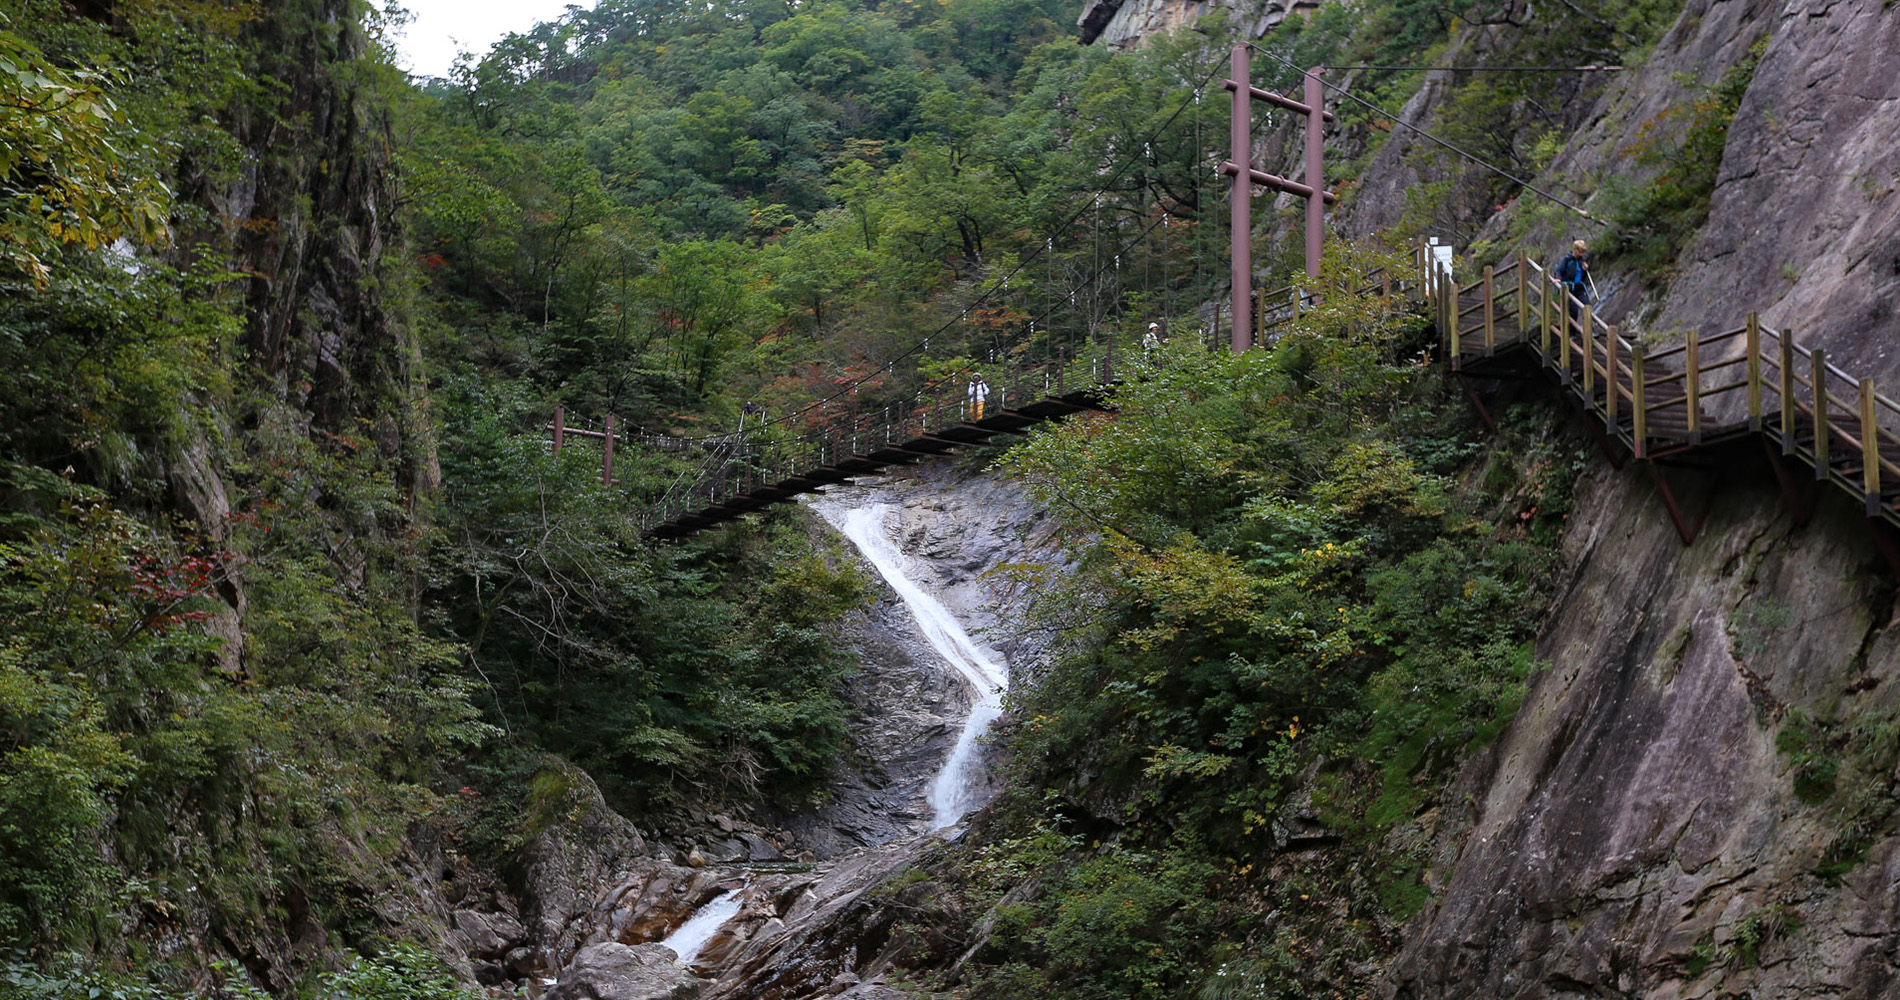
x=706 y=466
x=1473 y=157
x=1106 y=187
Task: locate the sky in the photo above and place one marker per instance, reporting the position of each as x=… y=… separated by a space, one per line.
x=444 y=27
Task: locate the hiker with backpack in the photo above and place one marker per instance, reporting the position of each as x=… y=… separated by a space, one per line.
x=1574 y=275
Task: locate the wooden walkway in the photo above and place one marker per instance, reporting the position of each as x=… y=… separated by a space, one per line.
x=749 y=473
x=1654 y=404
x=1659 y=402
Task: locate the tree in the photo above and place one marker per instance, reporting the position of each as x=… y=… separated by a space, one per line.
x=70 y=171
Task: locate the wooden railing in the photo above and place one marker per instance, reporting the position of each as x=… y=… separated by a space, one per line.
x=1660 y=401
x=756 y=459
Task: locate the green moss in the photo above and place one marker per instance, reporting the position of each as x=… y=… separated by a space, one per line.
x=1651 y=223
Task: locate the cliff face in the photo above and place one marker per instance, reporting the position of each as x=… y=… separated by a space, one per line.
x=1126 y=24
x=1639 y=831
x=1803 y=226
x=1695 y=799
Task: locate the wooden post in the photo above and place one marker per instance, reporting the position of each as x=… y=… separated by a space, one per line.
x=1611 y=385
x=1447 y=319
x=1523 y=295
x=1787 y=391
x=1589 y=357
x=1639 y=406
x=1821 y=433
x=1692 y=386
x=1543 y=317
x=560 y=428
x=1563 y=342
x=1869 y=448
x=1447 y=308
x=1490 y=337
x=1752 y=344
x=607 y=454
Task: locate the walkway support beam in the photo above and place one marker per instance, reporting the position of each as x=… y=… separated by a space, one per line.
x=1240 y=168
x=1240 y=225
x=1315 y=173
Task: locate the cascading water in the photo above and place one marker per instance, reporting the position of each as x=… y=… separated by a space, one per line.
x=950 y=795
x=691 y=937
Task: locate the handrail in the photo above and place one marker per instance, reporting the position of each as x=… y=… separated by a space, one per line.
x=1789 y=386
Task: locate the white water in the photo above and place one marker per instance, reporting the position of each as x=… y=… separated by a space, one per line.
x=950 y=795
x=692 y=935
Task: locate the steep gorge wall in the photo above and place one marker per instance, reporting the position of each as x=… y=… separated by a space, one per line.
x=1637 y=831
x=1695 y=799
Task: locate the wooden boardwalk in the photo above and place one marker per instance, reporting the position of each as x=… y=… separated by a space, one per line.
x=760 y=485
x=749 y=472
x=1658 y=402
x=1655 y=404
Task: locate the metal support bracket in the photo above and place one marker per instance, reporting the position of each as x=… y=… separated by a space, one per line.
x=1686 y=531
x=1801 y=506
x=1483 y=412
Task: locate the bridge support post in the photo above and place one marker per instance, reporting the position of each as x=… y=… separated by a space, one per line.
x=1241 y=169
x=1753 y=348
x=1639 y=404
x=1786 y=389
x=1869 y=448
x=607 y=454
x=1315 y=173
x=560 y=428
x=1240 y=205
x=1822 y=462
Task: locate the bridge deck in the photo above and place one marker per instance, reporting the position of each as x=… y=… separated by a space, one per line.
x=863 y=454
x=1662 y=402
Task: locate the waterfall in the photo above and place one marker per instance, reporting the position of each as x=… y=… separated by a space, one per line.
x=692 y=935
x=950 y=794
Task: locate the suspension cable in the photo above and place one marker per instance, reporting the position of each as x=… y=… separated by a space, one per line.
x=1106 y=186
x=1396 y=120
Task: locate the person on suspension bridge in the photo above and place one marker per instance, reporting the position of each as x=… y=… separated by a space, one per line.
x=1574 y=275
x=1151 y=342
x=979 y=391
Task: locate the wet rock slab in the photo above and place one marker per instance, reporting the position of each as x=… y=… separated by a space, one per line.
x=614 y=971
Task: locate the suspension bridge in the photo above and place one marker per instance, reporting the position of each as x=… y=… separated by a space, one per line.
x=1664 y=406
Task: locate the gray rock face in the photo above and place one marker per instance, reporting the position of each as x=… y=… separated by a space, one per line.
x=567 y=865
x=1129 y=24
x=1635 y=830
x=488 y=935
x=615 y=971
x=1804 y=224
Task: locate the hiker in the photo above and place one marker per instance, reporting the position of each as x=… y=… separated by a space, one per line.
x=1574 y=275
x=979 y=391
x=1151 y=342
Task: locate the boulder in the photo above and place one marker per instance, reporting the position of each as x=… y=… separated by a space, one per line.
x=488 y=935
x=614 y=971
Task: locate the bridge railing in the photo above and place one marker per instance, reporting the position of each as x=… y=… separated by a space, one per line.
x=749 y=460
x=1661 y=400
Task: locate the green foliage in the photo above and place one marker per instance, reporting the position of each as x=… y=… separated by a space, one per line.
x=1759 y=928
x=652 y=667
x=66 y=174
x=1653 y=222
x=1812 y=759
x=403 y=972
